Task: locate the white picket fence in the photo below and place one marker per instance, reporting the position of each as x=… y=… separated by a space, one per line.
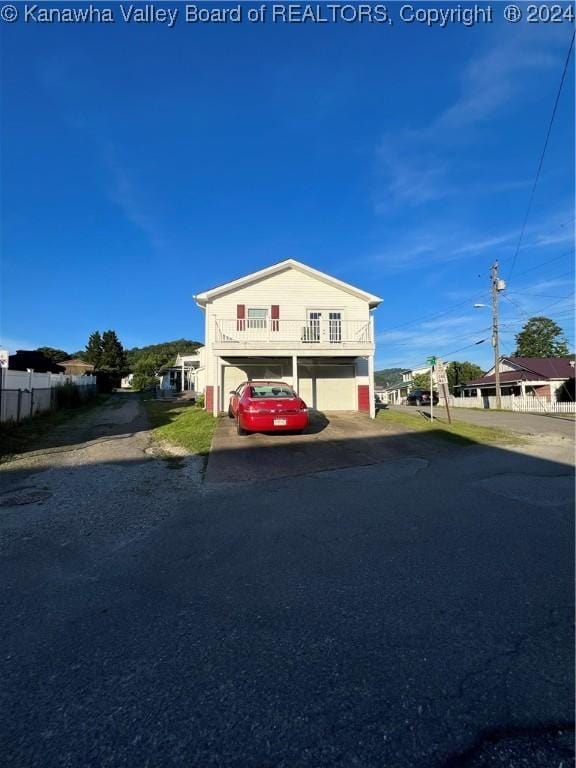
x=24 y=394
x=511 y=403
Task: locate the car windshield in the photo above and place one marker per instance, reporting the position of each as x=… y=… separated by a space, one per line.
x=271 y=390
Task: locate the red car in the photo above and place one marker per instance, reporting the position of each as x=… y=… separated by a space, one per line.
x=267 y=406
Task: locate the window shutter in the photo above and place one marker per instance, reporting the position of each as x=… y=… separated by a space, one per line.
x=240 y=317
x=275 y=316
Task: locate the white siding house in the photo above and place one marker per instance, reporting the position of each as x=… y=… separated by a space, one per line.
x=291 y=322
x=186 y=375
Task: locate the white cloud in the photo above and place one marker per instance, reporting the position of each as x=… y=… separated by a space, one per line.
x=418 y=163
x=123 y=193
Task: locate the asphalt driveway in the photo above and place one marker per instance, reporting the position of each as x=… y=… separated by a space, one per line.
x=333 y=441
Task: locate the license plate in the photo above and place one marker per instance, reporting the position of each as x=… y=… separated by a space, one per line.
x=279 y=422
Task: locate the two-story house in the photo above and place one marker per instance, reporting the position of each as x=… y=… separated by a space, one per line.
x=295 y=323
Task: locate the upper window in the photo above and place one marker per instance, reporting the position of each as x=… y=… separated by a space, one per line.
x=256 y=318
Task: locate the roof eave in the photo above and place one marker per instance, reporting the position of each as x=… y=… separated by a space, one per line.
x=203 y=298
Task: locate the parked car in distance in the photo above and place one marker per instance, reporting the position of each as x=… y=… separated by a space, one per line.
x=422 y=397
x=267 y=406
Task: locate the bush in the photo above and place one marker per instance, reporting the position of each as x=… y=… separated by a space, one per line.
x=67 y=396
x=199 y=401
x=142 y=382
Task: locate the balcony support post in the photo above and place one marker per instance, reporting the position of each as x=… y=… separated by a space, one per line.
x=295 y=372
x=371 y=386
x=218 y=387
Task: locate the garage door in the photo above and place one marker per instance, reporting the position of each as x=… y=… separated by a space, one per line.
x=329 y=387
x=234 y=376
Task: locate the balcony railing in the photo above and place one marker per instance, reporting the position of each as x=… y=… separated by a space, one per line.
x=253 y=332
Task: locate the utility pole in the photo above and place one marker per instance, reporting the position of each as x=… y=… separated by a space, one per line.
x=497 y=286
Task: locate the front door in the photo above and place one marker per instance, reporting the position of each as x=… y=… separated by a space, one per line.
x=324 y=326
x=314 y=326
x=335 y=327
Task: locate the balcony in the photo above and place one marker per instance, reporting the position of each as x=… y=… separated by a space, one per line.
x=309 y=335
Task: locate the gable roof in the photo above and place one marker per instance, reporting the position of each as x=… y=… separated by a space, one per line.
x=548 y=367
x=206 y=296
x=530 y=368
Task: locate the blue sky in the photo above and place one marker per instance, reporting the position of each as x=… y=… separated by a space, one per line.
x=143 y=164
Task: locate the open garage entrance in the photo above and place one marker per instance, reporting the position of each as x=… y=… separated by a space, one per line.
x=326 y=384
x=234 y=375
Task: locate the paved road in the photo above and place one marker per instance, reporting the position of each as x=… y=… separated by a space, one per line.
x=526 y=423
x=415 y=612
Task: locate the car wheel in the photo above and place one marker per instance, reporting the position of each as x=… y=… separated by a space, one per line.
x=239 y=429
x=230 y=413
x=418 y=402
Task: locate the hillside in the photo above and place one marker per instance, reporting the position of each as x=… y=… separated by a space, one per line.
x=388 y=377
x=158 y=356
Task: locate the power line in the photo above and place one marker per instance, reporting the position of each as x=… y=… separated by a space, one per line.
x=538 y=243
x=539 y=295
x=420 y=336
x=422 y=363
x=544 y=263
x=423 y=318
x=541 y=162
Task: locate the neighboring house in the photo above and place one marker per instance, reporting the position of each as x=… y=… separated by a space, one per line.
x=186 y=375
x=76 y=367
x=380 y=394
x=31 y=360
x=548 y=378
x=126 y=381
x=295 y=323
x=397 y=393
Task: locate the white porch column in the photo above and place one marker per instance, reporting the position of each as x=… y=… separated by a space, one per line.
x=182 y=387
x=371 y=386
x=295 y=372
x=217 y=379
x=522 y=389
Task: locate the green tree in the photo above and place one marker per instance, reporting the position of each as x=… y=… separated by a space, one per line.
x=93 y=353
x=162 y=354
x=113 y=358
x=56 y=355
x=421 y=381
x=462 y=372
x=141 y=381
x=541 y=337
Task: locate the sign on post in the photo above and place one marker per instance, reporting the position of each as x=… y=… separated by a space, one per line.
x=442 y=381
x=3 y=358
x=432 y=363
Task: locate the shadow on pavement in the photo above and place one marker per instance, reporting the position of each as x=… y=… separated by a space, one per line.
x=414 y=609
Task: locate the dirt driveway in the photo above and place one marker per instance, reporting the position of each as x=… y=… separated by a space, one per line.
x=333 y=441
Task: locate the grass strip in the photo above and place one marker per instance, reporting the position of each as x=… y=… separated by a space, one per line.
x=460 y=432
x=182 y=424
